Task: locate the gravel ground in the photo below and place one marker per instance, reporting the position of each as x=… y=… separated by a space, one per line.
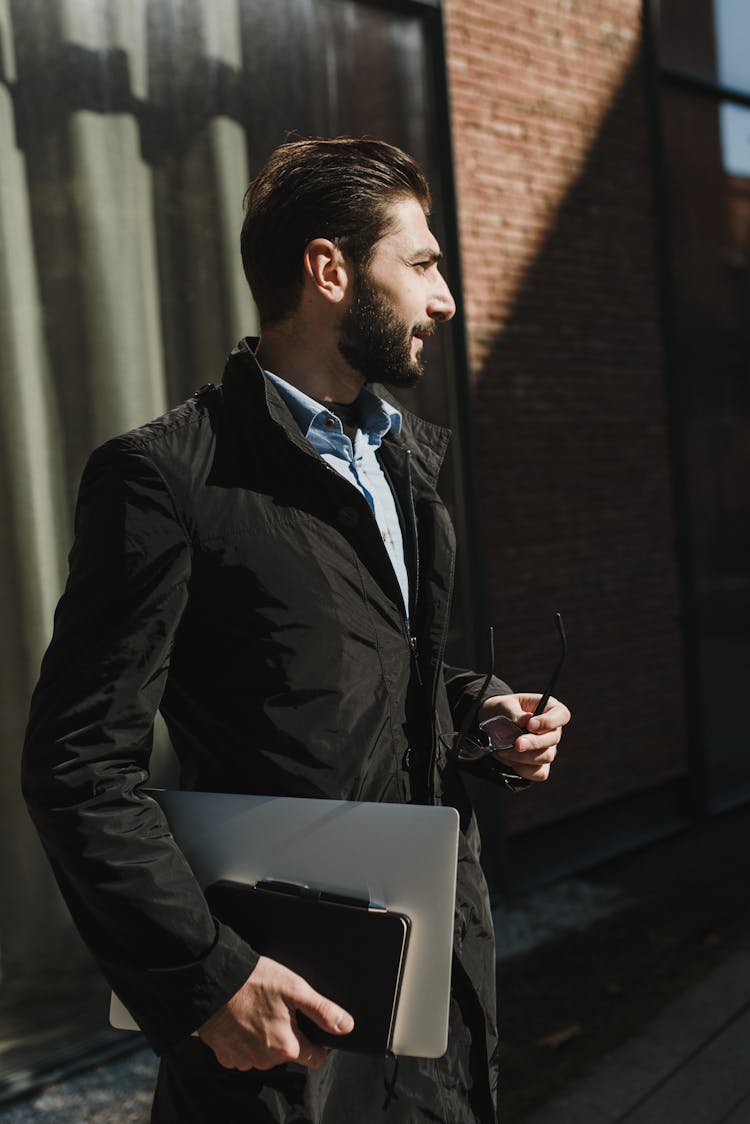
x=114 y=1093
x=539 y=918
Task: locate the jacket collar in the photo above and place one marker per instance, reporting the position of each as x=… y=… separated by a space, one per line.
x=426 y=441
x=249 y=393
x=248 y=390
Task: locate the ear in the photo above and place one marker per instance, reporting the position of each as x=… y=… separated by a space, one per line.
x=327 y=269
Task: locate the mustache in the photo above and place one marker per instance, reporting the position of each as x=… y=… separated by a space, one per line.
x=428 y=328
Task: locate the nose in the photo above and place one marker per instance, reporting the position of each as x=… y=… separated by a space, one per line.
x=441 y=305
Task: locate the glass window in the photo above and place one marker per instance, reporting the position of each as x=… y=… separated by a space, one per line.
x=128 y=132
x=707 y=152
x=732 y=30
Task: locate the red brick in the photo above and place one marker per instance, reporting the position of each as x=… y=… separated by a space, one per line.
x=550 y=138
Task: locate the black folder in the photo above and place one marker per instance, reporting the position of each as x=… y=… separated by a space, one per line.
x=348 y=950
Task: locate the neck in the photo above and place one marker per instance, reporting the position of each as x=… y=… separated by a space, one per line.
x=314 y=366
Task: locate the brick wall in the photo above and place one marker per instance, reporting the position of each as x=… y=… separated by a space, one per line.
x=551 y=147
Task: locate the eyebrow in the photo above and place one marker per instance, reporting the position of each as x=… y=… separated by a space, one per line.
x=426 y=253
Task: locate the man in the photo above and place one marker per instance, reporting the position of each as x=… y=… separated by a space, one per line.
x=271 y=565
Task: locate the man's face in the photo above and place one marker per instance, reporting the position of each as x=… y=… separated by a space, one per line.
x=396 y=302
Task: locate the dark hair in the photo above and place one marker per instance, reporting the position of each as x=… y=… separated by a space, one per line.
x=339 y=189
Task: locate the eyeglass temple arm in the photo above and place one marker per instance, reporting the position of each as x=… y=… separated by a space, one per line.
x=563 y=653
x=473 y=712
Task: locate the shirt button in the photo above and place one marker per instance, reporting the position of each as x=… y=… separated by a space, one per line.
x=329 y=423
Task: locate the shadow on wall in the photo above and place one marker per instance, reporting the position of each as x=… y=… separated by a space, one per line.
x=571 y=418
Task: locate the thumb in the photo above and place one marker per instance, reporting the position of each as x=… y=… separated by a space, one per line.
x=524 y=720
x=527 y=719
x=324 y=1013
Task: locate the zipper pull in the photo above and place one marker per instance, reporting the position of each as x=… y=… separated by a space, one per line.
x=202 y=391
x=415 y=655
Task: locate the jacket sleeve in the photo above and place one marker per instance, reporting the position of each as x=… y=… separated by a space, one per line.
x=464 y=686
x=463 y=689
x=129 y=889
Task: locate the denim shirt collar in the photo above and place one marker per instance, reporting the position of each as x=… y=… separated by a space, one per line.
x=314 y=420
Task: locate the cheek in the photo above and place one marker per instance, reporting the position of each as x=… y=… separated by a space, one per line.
x=403 y=292
x=411 y=306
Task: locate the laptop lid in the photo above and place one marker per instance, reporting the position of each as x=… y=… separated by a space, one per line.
x=401 y=856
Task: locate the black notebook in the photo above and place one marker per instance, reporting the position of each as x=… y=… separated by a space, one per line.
x=347 y=950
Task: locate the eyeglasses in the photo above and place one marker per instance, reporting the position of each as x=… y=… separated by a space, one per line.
x=500 y=732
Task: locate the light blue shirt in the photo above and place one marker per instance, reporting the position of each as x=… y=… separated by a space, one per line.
x=358 y=465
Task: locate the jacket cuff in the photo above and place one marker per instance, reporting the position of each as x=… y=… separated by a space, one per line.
x=179 y=1000
x=490 y=769
x=470 y=691
x=486 y=768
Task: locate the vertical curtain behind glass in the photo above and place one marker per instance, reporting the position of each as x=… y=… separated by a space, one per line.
x=114 y=217
x=201 y=171
x=30 y=520
x=120 y=290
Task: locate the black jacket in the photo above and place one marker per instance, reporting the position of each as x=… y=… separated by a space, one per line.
x=223 y=572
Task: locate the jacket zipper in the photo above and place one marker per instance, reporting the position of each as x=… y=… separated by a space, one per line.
x=413 y=595
x=410 y=514
x=438 y=664
x=412 y=641
x=406 y=618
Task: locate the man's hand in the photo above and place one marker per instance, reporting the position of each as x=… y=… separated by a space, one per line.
x=535 y=750
x=256 y=1028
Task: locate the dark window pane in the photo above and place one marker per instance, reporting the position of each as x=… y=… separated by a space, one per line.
x=710 y=217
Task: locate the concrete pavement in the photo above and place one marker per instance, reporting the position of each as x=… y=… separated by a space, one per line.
x=691 y=1065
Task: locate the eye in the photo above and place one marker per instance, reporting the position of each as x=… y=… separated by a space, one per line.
x=421 y=265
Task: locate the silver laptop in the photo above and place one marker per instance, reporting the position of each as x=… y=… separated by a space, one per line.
x=401 y=856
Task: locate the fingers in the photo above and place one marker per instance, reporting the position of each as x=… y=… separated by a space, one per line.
x=533 y=753
x=282 y=1048
x=531 y=772
x=310 y=1056
x=520 y=709
x=256 y=1028
x=538 y=737
x=535 y=748
x=325 y=1014
x=533 y=764
x=543 y=747
x=555 y=715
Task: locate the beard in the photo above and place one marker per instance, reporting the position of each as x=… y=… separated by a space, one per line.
x=376 y=342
